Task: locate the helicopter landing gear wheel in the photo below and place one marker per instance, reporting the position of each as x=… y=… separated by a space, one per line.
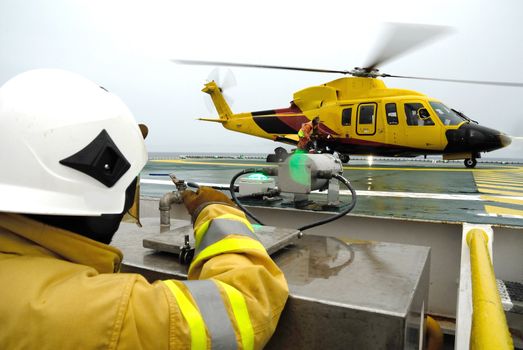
x=281 y=154
x=470 y=162
x=271 y=158
x=344 y=158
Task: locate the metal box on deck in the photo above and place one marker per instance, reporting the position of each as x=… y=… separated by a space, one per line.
x=353 y=295
x=343 y=294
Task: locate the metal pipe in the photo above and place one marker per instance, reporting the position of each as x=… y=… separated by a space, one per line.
x=434 y=334
x=489 y=324
x=165 y=208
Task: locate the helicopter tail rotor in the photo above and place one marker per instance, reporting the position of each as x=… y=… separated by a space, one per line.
x=223 y=77
x=225 y=80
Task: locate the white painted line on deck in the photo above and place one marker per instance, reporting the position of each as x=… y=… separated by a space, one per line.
x=460 y=197
x=441 y=196
x=505 y=216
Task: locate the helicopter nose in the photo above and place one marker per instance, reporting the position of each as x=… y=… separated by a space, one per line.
x=486 y=139
x=504 y=140
x=476 y=138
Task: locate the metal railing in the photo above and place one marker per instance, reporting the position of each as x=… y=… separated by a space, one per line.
x=481 y=321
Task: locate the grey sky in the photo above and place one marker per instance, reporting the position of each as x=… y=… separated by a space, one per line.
x=125 y=46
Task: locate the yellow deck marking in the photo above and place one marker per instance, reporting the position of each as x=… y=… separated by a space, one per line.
x=498 y=174
x=501 y=175
x=496 y=178
x=504 y=211
x=503 y=187
x=501 y=200
x=513 y=177
x=506 y=193
x=501 y=183
x=508 y=183
x=495 y=171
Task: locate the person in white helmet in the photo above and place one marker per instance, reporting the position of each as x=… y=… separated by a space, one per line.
x=70 y=154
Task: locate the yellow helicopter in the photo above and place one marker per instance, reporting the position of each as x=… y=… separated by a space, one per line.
x=362 y=116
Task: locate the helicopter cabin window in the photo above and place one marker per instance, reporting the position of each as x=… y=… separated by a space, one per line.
x=392 y=114
x=411 y=112
x=445 y=114
x=366 y=114
x=346 y=116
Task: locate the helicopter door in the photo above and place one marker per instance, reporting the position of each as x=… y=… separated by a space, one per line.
x=421 y=132
x=346 y=121
x=393 y=133
x=366 y=122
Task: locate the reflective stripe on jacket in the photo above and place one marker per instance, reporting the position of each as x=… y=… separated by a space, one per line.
x=306 y=130
x=63 y=292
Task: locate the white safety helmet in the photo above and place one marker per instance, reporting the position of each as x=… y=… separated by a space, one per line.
x=67 y=146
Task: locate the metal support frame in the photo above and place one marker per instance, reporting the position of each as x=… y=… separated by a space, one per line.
x=333 y=193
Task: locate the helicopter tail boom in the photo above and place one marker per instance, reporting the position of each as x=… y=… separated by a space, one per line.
x=222 y=107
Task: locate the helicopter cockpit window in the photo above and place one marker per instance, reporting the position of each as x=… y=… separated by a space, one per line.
x=392 y=114
x=346 y=116
x=366 y=114
x=411 y=112
x=445 y=114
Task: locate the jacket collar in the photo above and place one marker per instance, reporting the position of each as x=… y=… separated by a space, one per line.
x=67 y=245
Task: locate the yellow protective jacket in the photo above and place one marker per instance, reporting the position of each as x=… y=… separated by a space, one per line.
x=60 y=290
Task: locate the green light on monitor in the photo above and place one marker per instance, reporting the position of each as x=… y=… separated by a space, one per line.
x=257 y=176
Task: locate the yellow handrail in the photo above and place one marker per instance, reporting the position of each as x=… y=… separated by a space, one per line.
x=489 y=325
x=434 y=334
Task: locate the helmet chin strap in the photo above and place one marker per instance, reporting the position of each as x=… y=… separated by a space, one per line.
x=99 y=228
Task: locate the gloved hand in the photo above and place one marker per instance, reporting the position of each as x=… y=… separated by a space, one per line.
x=196 y=201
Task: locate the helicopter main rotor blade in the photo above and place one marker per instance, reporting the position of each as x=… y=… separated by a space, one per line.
x=479 y=82
x=400 y=38
x=437 y=30
x=248 y=65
